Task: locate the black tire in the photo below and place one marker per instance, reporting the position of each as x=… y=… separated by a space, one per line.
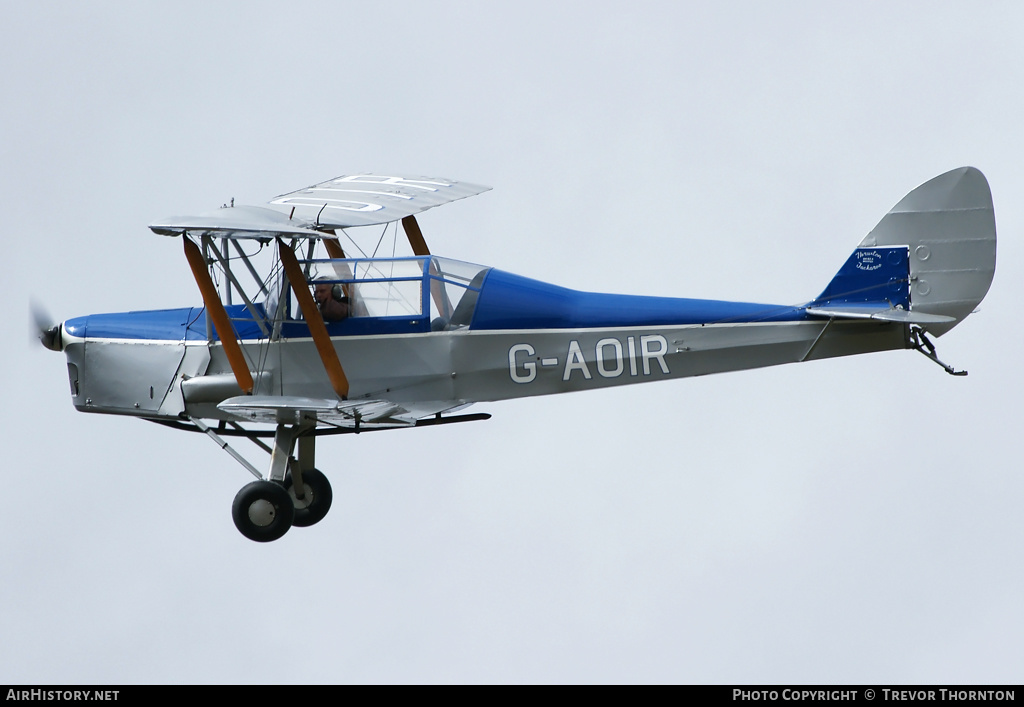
x=263 y=511
x=317 y=501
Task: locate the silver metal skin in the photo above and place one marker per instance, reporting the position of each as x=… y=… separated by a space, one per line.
x=418 y=375
x=395 y=380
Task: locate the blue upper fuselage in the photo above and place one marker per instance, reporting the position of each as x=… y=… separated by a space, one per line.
x=510 y=301
x=503 y=301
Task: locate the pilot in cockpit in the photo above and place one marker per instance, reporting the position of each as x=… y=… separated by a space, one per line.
x=331 y=300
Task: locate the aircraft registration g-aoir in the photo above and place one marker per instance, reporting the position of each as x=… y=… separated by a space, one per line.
x=298 y=339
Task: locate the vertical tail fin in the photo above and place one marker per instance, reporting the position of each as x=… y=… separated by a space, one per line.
x=930 y=260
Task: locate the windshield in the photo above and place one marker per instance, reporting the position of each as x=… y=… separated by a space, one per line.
x=443 y=289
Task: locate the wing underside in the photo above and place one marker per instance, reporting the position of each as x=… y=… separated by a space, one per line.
x=291 y=409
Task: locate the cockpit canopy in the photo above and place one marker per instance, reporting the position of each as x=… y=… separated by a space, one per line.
x=421 y=293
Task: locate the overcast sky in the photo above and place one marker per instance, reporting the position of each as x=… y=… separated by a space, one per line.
x=849 y=520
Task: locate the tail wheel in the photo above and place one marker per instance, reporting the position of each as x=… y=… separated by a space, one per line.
x=316 y=498
x=263 y=511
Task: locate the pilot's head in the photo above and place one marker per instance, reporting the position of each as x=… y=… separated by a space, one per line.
x=323 y=291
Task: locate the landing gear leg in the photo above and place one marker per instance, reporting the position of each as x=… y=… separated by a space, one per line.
x=919 y=342
x=294 y=491
x=316 y=497
x=263 y=510
x=309 y=488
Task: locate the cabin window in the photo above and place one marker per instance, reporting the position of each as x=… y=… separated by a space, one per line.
x=454 y=287
x=409 y=288
x=375 y=288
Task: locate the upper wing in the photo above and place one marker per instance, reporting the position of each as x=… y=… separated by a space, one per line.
x=368 y=199
x=359 y=200
x=237 y=222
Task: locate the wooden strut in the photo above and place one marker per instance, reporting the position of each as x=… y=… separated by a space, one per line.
x=336 y=253
x=317 y=328
x=415 y=236
x=419 y=247
x=334 y=248
x=221 y=322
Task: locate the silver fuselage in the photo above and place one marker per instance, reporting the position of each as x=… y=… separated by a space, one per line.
x=432 y=372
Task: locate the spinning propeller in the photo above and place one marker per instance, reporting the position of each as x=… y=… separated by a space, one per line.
x=44 y=327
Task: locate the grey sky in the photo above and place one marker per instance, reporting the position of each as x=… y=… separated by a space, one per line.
x=840 y=521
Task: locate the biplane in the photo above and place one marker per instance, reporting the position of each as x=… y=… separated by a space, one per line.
x=302 y=334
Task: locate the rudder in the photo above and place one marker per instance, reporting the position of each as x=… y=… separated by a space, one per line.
x=949 y=227
x=929 y=261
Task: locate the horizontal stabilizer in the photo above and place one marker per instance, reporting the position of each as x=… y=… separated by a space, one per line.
x=881 y=313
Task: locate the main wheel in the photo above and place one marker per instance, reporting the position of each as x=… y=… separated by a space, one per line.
x=316 y=499
x=263 y=511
